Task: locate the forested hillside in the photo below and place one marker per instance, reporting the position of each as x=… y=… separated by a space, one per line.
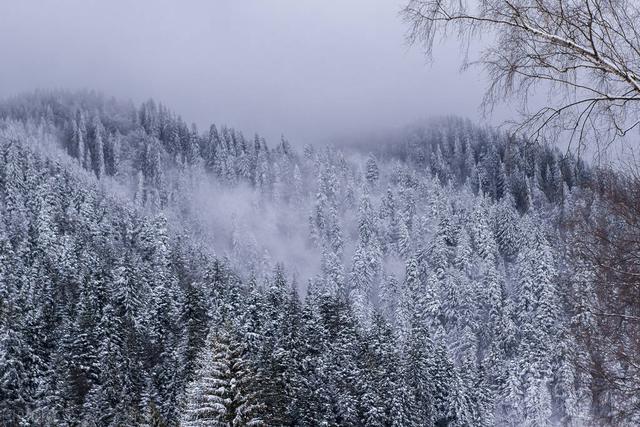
x=154 y=274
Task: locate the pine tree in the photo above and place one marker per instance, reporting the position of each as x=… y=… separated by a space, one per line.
x=389 y=298
x=17 y=387
x=481 y=231
x=377 y=361
x=221 y=392
x=279 y=349
x=80 y=137
x=404 y=241
x=98 y=148
x=193 y=315
x=506 y=227
x=332 y=274
x=112 y=154
x=373 y=173
x=361 y=279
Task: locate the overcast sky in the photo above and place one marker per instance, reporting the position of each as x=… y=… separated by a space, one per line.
x=311 y=69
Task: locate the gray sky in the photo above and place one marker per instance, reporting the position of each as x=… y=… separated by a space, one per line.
x=311 y=69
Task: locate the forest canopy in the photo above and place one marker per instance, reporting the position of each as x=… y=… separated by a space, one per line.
x=155 y=274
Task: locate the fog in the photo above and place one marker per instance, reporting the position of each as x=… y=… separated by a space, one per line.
x=311 y=70
x=253 y=231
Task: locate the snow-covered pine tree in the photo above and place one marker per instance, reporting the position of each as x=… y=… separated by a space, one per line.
x=221 y=393
x=373 y=172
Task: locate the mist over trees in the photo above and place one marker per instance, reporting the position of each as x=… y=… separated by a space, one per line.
x=155 y=274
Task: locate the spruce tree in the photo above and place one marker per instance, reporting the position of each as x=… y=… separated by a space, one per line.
x=221 y=391
x=372 y=173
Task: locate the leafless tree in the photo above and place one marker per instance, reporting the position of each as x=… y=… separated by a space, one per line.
x=586 y=53
x=608 y=245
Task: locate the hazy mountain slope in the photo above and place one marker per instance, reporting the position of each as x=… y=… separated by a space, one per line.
x=437 y=282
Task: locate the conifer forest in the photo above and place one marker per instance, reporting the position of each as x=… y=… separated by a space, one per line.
x=448 y=273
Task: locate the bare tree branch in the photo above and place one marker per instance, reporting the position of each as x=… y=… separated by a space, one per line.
x=586 y=53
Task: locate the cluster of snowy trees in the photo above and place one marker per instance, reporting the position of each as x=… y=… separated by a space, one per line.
x=445 y=286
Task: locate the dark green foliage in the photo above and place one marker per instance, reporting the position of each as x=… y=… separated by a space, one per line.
x=114 y=311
